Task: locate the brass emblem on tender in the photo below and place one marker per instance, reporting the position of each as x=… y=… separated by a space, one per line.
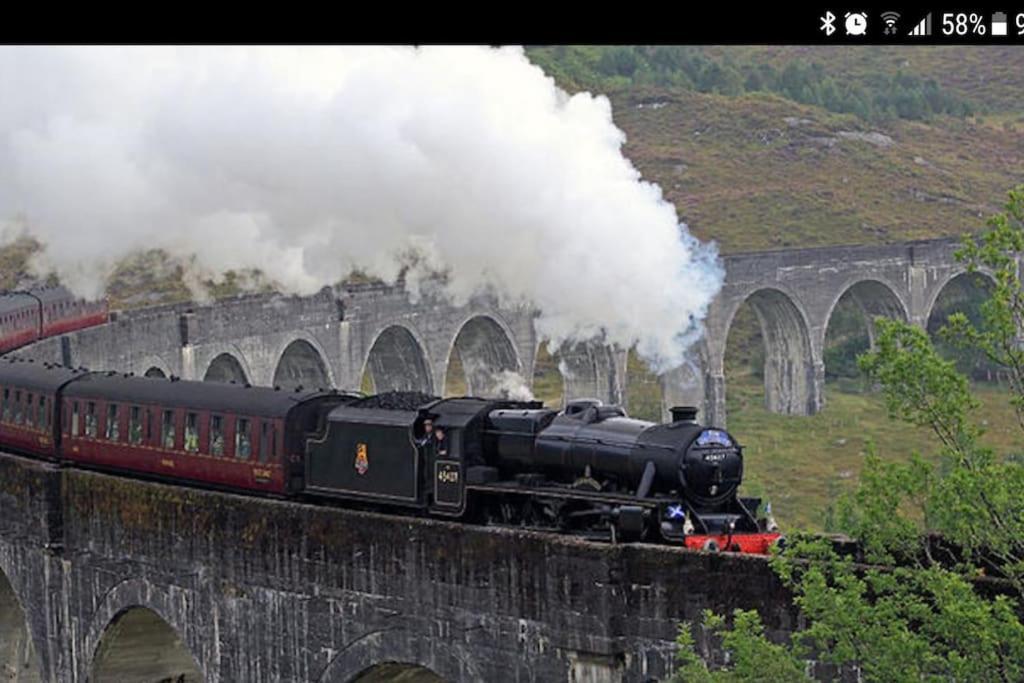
x=362 y=463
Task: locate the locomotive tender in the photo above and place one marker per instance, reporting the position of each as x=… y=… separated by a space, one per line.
x=589 y=469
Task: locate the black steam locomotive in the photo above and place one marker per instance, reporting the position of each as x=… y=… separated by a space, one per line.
x=589 y=469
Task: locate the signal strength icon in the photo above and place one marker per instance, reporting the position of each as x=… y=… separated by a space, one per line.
x=923 y=28
x=890 y=19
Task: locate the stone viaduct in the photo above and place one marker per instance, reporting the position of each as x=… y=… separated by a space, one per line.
x=335 y=337
x=114 y=580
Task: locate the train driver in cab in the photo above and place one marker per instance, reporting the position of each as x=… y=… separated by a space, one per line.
x=427 y=435
x=440 y=445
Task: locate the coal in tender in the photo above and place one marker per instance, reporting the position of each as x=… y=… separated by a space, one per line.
x=396 y=400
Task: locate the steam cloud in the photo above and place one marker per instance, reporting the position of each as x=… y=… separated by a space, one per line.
x=512 y=385
x=309 y=162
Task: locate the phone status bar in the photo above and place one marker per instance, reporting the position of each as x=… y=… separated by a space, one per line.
x=970 y=26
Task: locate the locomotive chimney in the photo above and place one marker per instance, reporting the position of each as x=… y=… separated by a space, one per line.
x=684 y=414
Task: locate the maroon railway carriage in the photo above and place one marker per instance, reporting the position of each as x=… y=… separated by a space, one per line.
x=62 y=312
x=19 y=320
x=28 y=401
x=32 y=314
x=228 y=435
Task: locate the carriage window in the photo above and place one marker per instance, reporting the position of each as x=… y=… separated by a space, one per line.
x=135 y=425
x=7 y=405
x=30 y=411
x=44 y=414
x=167 y=434
x=113 y=429
x=216 y=435
x=74 y=419
x=243 y=442
x=191 y=432
x=91 y=420
x=266 y=439
x=19 y=416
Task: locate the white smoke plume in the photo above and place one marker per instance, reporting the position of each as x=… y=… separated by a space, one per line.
x=511 y=385
x=308 y=162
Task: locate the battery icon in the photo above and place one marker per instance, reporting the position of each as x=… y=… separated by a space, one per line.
x=999 y=24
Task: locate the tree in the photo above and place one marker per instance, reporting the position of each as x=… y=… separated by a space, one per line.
x=619 y=61
x=998 y=334
x=929 y=528
x=753 y=656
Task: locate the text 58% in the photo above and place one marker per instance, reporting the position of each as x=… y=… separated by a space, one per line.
x=962 y=23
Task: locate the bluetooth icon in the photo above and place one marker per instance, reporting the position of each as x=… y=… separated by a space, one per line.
x=828 y=23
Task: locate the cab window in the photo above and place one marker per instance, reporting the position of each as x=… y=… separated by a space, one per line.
x=135 y=425
x=167 y=432
x=91 y=420
x=44 y=414
x=113 y=429
x=191 y=432
x=216 y=435
x=243 y=440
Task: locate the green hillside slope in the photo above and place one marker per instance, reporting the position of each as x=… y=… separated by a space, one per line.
x=757 y=169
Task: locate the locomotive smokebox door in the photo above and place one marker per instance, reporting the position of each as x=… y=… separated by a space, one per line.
x=448 y=484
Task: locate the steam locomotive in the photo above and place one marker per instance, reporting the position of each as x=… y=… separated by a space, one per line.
x=589 y=469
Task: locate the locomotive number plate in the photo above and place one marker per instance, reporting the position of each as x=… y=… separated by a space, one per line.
x=716 y=456
x=448 y=482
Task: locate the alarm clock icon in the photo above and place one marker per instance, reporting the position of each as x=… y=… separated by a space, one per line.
x=856 y=23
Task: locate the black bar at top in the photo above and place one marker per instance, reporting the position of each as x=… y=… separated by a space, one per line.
x=651 y=22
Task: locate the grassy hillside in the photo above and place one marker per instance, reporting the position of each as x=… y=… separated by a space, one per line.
x=760 y=172
x=758 y=169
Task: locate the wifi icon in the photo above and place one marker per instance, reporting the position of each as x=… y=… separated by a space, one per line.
x=890 y=19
